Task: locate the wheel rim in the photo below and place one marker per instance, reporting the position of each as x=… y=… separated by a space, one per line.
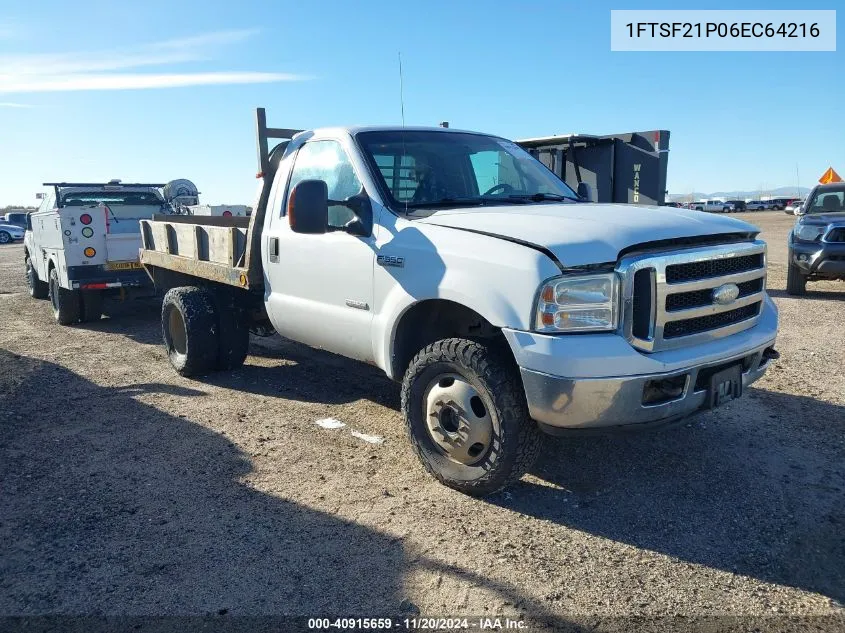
x=4 y=237
x=457 y=419
x=176 y=330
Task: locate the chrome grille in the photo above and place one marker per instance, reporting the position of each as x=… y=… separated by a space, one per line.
x=668 y=297
x=674 y=329
x=698 y=298
x=678 y=273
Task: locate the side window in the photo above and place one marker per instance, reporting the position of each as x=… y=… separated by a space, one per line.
x=828 y=201
x=326 y=160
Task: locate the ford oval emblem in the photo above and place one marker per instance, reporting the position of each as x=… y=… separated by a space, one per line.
x=725 y=294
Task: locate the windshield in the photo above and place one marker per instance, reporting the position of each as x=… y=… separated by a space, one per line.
x=827 y=200
x=422 y=170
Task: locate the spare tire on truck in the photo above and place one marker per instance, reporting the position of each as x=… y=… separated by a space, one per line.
x=190 y=330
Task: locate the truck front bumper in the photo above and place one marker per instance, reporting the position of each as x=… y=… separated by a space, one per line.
x=565 y=403
x=568 y=388
x=824 y=259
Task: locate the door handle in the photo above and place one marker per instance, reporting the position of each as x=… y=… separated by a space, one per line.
x=274 y=249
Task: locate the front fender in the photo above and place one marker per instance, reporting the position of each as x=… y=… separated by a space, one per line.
x=495 y=278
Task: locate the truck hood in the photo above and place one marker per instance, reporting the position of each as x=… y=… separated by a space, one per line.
x=581 y=234
x=834 y=217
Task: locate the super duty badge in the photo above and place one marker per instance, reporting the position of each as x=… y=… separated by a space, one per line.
x=390 y=260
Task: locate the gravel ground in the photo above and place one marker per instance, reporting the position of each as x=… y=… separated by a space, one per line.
x=128 y=490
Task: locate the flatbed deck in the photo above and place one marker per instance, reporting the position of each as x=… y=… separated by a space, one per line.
x=213 y=248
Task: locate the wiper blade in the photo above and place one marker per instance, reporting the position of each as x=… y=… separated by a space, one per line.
x=541 y=197
x=447 y=202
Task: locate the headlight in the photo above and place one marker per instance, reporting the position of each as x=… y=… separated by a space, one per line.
x=809 y=232
x=587 y=303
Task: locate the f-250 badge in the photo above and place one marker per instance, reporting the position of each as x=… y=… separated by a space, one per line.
x=390 y=260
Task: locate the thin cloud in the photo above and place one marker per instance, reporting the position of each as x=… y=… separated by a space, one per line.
x=174 y=51
x=141 y=81
x=46 y=64
x=216 y=38
x=47 y=72
x=9 y=104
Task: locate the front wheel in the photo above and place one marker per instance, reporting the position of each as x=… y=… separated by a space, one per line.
x=466 y=416
x=5 y=237
x=796 y=283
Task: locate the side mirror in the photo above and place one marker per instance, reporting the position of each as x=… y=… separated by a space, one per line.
x=28 y=221
x=308 y=207
x=585 y=191
x=799 y=210
x=39 y=196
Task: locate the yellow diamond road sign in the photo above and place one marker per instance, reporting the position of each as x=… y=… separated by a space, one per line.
x=829 y=176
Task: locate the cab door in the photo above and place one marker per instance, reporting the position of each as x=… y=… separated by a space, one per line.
x=321 y=286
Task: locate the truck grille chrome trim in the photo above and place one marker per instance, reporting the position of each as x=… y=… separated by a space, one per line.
x=679 y=309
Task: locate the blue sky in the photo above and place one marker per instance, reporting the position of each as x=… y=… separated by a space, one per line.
x=517 y=69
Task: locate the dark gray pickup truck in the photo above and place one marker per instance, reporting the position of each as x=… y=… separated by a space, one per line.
x=817 y=241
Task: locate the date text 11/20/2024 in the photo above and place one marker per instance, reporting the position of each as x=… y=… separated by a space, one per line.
x=418 y=624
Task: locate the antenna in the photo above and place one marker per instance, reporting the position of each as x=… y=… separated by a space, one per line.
x=402 y=107
x=401 y=90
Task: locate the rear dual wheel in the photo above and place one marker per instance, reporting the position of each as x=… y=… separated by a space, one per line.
x=203 y=330
x=67 y=304
x=92 y=305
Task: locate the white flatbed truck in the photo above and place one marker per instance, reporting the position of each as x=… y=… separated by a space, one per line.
x=503 y=302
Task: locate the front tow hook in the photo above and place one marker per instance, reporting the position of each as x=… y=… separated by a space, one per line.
x=770 y=353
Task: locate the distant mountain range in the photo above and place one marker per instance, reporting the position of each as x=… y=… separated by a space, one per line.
x=778 y=192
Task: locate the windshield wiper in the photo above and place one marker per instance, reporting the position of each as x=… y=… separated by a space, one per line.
x=541 y=197
x=447 y=202
x=486 y=200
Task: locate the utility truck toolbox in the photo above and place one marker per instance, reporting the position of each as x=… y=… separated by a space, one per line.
x=504 y=302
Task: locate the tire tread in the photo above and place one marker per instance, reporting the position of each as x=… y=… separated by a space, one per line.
x=198 y=312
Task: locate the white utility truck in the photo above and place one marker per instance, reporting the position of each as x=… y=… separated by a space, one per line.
x=503 y=302
x=83 y=241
